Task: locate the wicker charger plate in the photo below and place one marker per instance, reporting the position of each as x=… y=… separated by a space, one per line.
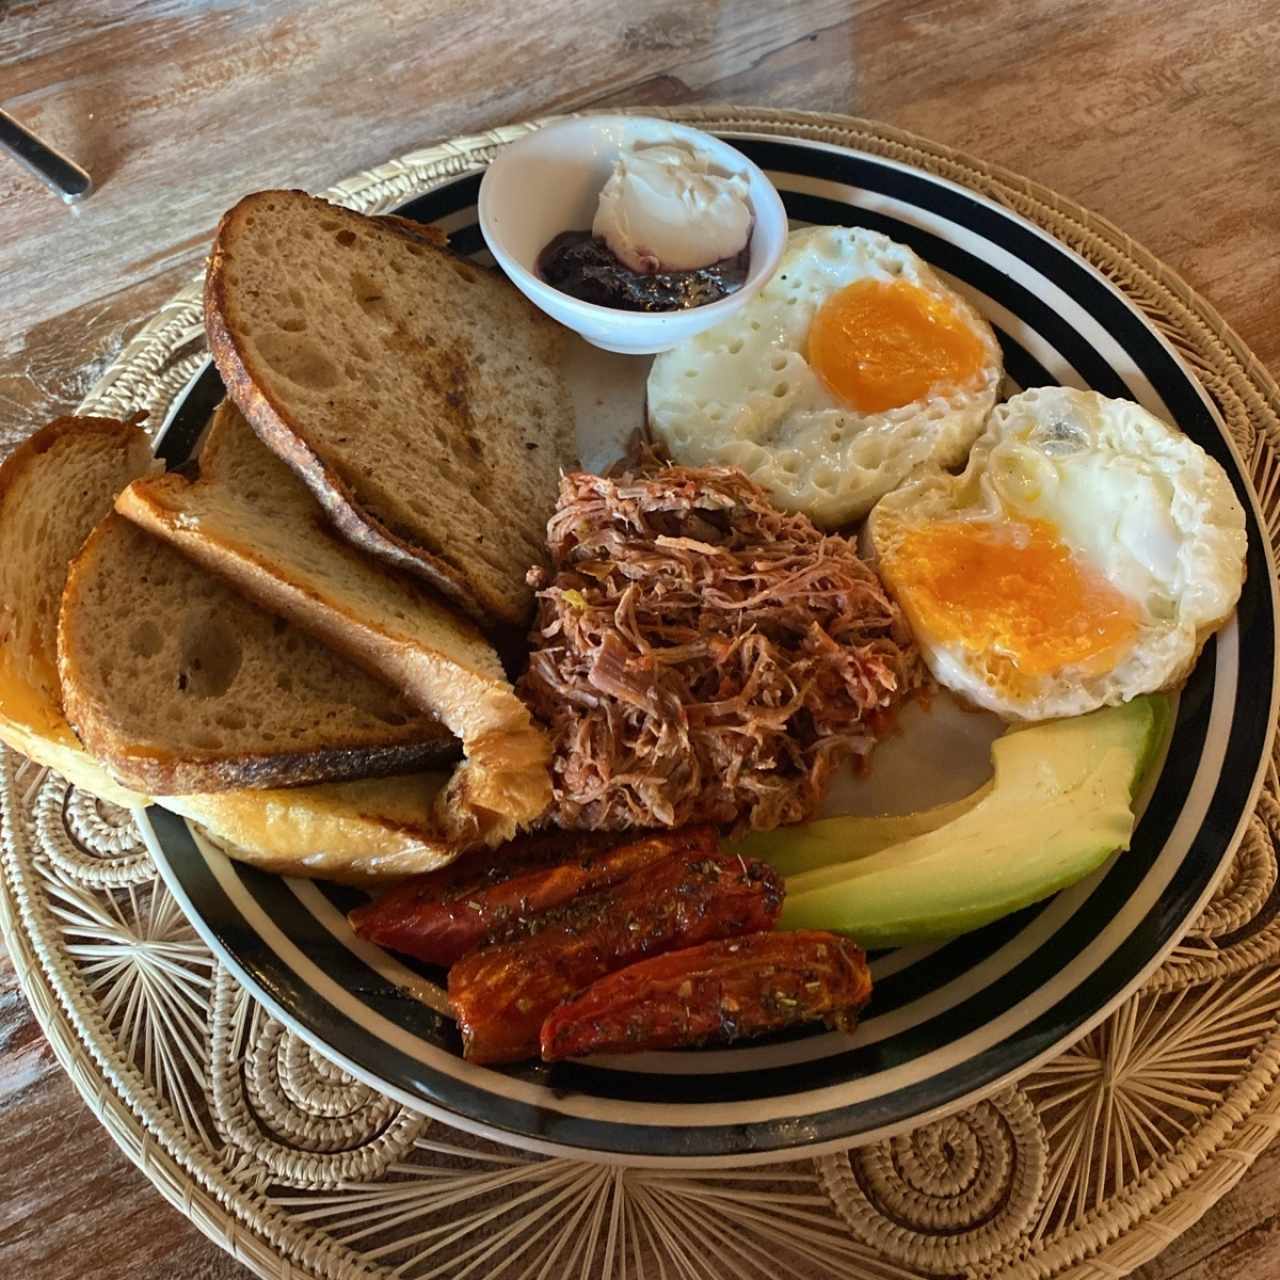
x=1087 y=1168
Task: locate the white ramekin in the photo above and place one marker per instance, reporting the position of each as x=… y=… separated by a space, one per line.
x=550 y=181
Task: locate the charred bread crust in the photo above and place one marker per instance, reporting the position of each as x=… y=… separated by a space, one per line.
x=272 y=422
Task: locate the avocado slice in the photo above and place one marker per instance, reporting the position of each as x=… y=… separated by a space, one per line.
x=1058 y=808
x=806 y=846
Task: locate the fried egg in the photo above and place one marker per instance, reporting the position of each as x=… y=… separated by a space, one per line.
x=852 y=368
x=1083 y=557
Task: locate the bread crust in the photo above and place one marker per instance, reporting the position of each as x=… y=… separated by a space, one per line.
x=168 y=774
x=177 y=772
x=128 y=433
x=360 y=832
x=504 y=782
x=31 y=716
x=278 y=430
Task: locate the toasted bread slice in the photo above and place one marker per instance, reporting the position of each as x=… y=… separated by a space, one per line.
x=54 y=488
x=179 y=684
x=361 y=833
x=250 y=519
x=418 y=396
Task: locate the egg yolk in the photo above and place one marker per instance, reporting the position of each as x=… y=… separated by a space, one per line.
x=1012 y=591
x=880 y=344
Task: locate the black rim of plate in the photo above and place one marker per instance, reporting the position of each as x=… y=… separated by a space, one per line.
x=947 y=1024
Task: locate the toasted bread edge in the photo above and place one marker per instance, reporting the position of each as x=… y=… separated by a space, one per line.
x=160 y=773
x=274 y=427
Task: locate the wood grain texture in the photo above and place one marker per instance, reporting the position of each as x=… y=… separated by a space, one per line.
x=1164 y=118
x=71 y=1203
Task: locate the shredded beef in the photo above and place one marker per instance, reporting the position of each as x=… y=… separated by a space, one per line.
x=700 y=656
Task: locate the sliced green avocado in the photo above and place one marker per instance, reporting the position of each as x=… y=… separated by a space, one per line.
x=1058 y=808
x=806 y=846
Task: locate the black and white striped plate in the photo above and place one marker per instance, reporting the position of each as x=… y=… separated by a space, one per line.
x=946 y=1024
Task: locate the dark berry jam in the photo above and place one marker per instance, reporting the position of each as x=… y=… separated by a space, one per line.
x=578 y=264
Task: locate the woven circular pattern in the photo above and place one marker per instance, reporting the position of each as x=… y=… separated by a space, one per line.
x=1246 y=887
x=93 y=841
x=964 y=1188
x=288 y=1109
x=1089 y=1167
x=1239 y=929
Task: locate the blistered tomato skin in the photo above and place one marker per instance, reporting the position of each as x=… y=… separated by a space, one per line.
x=500 y=995
x=714 y=994
x=439 y=917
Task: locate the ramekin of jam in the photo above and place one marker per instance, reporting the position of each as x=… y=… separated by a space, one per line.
x=583 y=266
x=636 y=233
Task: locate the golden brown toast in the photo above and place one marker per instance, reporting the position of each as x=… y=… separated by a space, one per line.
x=418 y=396
x=249 y=519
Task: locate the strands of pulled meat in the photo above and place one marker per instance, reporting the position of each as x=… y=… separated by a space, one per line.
x=700 y=656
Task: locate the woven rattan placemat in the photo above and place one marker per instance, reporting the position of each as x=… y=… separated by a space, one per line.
x=1087 y=1168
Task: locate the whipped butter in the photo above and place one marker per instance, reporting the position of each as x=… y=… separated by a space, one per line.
x=668 y=207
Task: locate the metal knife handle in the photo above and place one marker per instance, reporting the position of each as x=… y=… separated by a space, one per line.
x=66 y=177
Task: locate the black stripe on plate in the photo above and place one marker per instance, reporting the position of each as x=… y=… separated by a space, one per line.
x=1226 y=806
x=919 y=980
x=190 y=418
x=1148 y=936
x=1049 y=1028
x=1021 y=366
x=448 y=198
x=1071 y=939
x=467 y=240
x=1103 y=302
x=1004 y=993
x=226 y=929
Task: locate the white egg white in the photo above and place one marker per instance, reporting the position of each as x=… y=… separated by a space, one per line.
x=743 y=393
x=1131 y=497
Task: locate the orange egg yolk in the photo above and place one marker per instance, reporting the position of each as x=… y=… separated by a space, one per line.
x=1012 y=591
x=880 y=344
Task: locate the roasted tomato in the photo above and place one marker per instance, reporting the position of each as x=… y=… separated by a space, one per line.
x=713 y=994
x=501 y=994
x=438 y=918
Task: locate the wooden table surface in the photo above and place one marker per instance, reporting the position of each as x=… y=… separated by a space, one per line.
x=1164 y=117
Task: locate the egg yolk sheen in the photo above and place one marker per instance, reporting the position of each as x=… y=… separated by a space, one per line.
x=880 y=344
x=1011 y=589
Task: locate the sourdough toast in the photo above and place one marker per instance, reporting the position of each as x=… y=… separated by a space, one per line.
x=418 y=396
x=54 y=488
x=249 y=519
x=179 y=684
